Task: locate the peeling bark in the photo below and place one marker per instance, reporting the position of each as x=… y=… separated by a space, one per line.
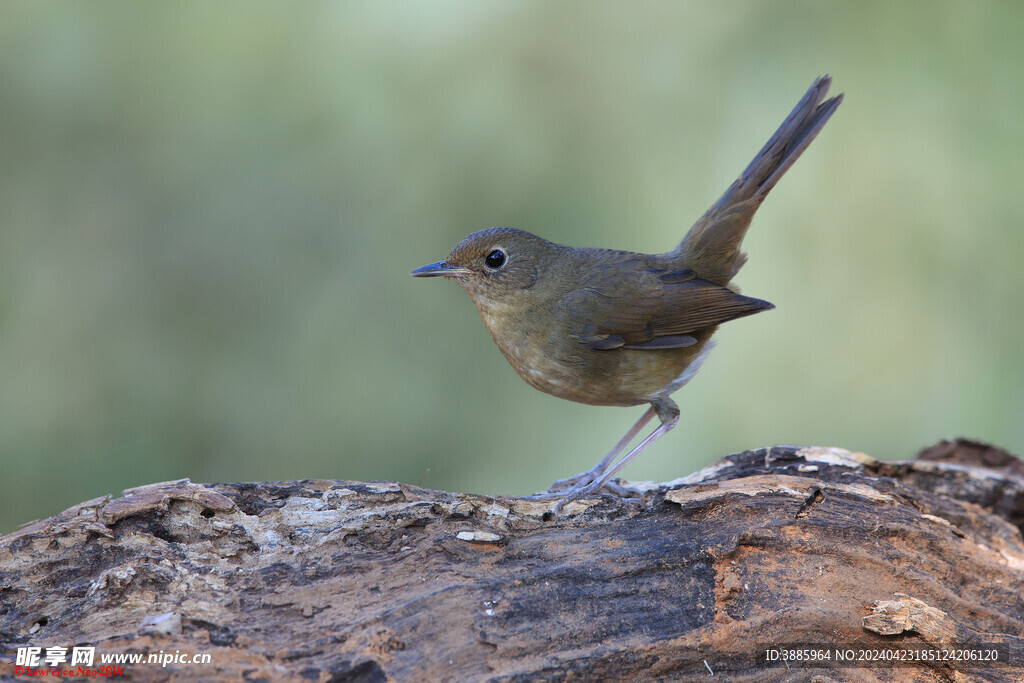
x=349 y=581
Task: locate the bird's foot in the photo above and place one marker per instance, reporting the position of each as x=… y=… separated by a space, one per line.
x=574 y=494
x=585 y=479
x=587 y=488
x=576 y=481
x=621 y=492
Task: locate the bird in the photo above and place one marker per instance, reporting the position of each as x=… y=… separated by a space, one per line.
x=619 y=328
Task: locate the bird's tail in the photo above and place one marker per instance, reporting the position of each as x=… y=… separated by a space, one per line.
x=712 y=246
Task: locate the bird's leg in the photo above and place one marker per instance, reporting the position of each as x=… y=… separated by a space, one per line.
x=600 y=477
x=668 y=422
x=595 y=473
x=667 y=412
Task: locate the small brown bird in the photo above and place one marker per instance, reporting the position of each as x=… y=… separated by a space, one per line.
x=617 y=328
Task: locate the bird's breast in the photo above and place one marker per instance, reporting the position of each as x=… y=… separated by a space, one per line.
x=544 y=349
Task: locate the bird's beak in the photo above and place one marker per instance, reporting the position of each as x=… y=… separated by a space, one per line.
x=439 y=269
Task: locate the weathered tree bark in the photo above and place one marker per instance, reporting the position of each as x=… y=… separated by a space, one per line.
x=342 y=581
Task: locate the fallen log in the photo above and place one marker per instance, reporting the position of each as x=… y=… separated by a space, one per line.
x=754 y=568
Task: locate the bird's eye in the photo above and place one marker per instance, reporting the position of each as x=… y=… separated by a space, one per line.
x=495 y=259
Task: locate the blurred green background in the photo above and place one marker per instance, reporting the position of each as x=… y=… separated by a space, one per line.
x=209 y=211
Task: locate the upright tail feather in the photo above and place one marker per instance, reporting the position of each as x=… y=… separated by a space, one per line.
x=712 y=246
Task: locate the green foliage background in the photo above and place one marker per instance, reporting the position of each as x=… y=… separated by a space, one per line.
x=209 y=211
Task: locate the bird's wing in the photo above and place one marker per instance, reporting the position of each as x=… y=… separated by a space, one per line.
x=650 y=308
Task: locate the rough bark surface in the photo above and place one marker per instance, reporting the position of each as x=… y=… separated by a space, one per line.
x=348 y=581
